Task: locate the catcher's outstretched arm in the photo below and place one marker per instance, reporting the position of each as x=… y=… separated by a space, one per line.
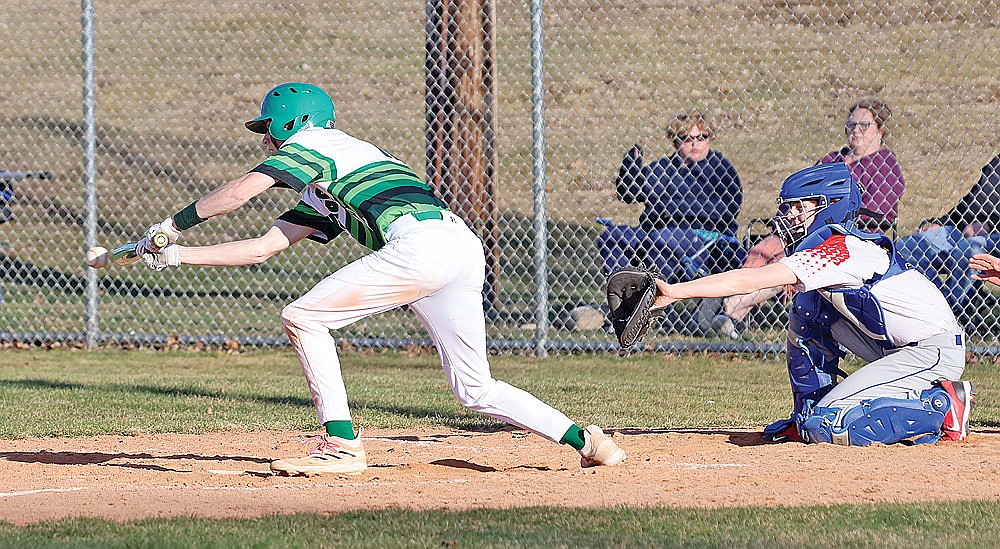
x=735 y=282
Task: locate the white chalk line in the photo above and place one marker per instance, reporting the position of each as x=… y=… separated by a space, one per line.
x=314 y=486
x=394 y=440
x=711 y=465
x=39 y=491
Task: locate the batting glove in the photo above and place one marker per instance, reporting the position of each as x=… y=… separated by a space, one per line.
x=166 y=227
x=169 y=256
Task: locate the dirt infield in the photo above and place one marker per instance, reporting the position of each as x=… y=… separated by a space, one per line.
x=225 y=475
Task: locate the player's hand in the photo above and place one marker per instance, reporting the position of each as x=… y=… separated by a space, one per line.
x=169 y=256
x=988 y=267
x=166 y=227
x=663 y=297
x=144 y=246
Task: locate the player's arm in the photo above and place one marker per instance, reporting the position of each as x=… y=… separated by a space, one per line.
x=222 y=200
x=251 y=251
x=735 y=282
x=230 y=196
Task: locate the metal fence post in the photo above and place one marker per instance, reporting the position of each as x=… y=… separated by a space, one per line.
x=90 y=165
x=538 y=168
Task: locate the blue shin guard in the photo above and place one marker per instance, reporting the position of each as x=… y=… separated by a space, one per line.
x=813 y=356
x=882 y=420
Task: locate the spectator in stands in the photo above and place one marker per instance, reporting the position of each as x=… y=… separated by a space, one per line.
x=692 y=199
x=986 y=267
x=872 y=165
x=944 y=246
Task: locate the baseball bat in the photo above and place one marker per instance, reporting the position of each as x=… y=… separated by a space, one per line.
x=126 y=253
x=160 y=240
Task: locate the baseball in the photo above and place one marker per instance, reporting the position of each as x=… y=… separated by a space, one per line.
x=97 y=257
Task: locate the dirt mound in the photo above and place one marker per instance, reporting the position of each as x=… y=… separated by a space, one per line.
x=226 y=475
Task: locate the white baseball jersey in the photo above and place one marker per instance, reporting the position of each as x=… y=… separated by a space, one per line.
x=914 y=308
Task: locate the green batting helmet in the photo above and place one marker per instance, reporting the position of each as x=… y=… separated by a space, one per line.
x=290 y=107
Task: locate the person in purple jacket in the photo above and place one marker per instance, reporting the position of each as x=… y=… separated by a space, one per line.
x=873 y=166
x=692 y=199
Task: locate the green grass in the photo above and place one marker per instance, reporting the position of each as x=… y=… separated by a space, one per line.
x=111 y=391
x=130 y=392
x=885 y=525
x=75 y=393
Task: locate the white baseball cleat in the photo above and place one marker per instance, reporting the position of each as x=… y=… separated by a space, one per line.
x=334 y=456
x=599 y=449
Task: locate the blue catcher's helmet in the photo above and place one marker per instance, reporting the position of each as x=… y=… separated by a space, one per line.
x=830 y=186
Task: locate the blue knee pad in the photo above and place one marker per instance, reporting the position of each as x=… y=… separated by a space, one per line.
x=813 y=355
x=882 y=420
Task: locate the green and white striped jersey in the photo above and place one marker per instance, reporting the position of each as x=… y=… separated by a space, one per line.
x=347 y=184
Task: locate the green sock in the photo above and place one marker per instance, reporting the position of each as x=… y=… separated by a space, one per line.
x=573 y=437
x=341 y=429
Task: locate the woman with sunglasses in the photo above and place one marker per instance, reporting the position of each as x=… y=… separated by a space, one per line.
x=873 y=166
x=692 y=199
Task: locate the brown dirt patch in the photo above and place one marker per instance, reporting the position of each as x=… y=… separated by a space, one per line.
x=226 y=475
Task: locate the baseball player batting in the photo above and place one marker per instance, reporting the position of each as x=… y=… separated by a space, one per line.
x=853 y=291
x=422 y=255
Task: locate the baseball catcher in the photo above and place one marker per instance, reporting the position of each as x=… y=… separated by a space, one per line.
x=854 y=292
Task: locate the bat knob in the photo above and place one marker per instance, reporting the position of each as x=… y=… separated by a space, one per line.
x=160 y=240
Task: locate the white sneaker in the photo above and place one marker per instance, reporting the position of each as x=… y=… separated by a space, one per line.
x=599 y=449
x=334 y=455
x=708 y=309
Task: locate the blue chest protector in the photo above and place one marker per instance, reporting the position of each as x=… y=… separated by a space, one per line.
x=859 y=306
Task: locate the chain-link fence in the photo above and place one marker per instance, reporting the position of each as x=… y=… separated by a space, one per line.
x=175 y=82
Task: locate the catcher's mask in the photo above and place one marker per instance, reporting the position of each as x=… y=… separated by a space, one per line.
x=814 y=197
x=291 y=107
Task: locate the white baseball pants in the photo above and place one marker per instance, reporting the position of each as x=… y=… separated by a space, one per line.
x=438 y=268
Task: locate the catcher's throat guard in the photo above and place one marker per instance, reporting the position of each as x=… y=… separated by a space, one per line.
x=630 y=302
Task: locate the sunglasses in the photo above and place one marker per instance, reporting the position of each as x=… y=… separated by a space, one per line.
x=851 y=126
x=693 y=138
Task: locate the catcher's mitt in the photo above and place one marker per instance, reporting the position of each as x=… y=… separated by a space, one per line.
x=630 y=300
